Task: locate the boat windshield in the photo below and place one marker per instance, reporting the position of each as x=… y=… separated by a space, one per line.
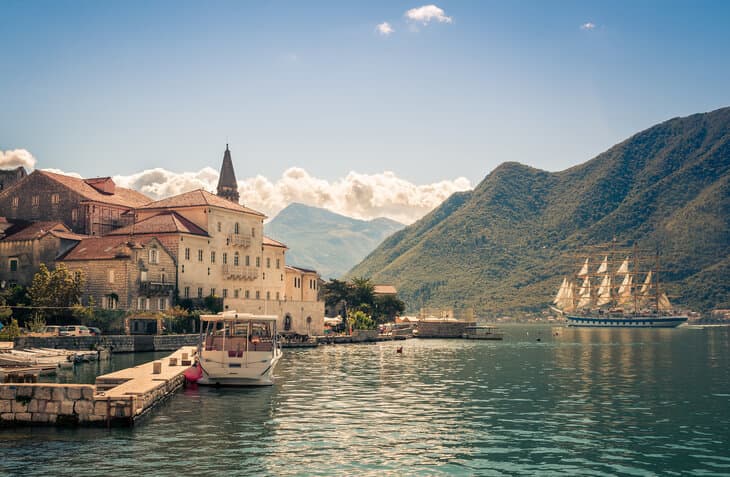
x=239 y=336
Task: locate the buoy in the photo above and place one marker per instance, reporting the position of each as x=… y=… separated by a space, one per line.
x=399 y=350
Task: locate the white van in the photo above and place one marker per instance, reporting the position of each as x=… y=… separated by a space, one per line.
x=75 y=330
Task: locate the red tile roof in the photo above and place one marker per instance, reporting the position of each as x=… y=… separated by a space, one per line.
x=104 y=248
x=197 y=198
x=122 y=196
x=34 y=230
x=272 y=242
x=384 y=290
x=162 y=223
x=300 y=269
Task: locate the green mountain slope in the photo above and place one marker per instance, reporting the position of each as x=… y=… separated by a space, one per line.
x=328 y=242
x=503 y=247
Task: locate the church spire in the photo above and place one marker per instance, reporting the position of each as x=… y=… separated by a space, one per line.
x=227 y=185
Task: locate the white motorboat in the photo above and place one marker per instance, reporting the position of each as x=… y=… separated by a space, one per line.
x=236 y=349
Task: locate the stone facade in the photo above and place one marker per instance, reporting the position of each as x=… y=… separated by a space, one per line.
x=9 y=177
x=90 y=206
x=121 y=274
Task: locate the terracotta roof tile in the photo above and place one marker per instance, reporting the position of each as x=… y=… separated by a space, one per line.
x=384 y=290
x=197 y=198
x=122 y=196
x=34 y=230
x=164 y=222
x=273 y=243
x=103 y=248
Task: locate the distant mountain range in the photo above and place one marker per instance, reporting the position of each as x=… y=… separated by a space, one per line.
x=502 y=247
x=327 y=242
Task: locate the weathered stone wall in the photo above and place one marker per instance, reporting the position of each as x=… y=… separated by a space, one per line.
x=173 y=342
x=117 y=343
x=442 y=329
x=49 y=404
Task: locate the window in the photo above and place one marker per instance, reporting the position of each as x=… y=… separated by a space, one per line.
x=74 y=215
x=219 y=226
x=111 y=276
x=247 y=294
x=14 y=204
x=277 y=295
x=235 y=259
x=248 y=261
x=162 y=304
x=235 y=293
x=268 y=262
x=35 y=201
x=263 y=276
x=208 y=270
x=225 y=293
x=163 y=277
x=143 y=303
x=212 y=292
x=258 y=261
x=258 y=295
x=200 y=292
x=282 y=277
x=268 y=295
x=236 y=229
x=287 y=322
x=55 y=198
x=109 y=302
x=212 y=257
x=253 y=232
x=14 y=265
x=200 y=255
x=182 y=268
x=154 y=255
x=225 y=258
x=187 y=254
x=77 y=276
x=278 y=263
x=186 y=293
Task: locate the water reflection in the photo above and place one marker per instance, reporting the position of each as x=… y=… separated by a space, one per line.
x=583 y=402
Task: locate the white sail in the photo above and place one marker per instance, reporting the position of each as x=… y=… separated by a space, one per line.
x=584 y=269
x=604 y=291
x=604 y=266
x=664 y=304
x=624 y=291
x=561 y=291
x=646 y=287
x=565 y=301
x=585 y=293
x=624 y=268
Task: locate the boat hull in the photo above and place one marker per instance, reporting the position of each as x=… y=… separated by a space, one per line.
x=626 y=322
x=237 y=372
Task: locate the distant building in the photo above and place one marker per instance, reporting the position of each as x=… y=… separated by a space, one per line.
x=87 y=206
x=9 y=177
x=25 y=245
x=384 y=290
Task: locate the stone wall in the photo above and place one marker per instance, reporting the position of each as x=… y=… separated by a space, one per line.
x=49 y=404
x=117 y=343
x=173 y=342
x=442 y=329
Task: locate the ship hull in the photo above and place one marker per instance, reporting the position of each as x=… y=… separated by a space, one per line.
x=626 y=322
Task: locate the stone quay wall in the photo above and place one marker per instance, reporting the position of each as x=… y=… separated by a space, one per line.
x=61 y=404
x=442 y=329
x=117 y=343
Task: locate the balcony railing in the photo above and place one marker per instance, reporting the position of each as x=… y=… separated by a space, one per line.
x=241 y=273
x=155 y=288
x=239 y=240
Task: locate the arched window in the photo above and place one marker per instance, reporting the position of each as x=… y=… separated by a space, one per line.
x=287 y=322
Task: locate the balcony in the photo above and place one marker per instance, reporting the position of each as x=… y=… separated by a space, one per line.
x=240 y=273
x=148 y=288
x=239 y=240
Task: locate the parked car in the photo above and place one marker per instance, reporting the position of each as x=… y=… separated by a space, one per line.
x=94 y=331
x=75 y=330
x=52 y=330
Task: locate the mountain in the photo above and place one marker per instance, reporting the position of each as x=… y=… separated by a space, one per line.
x=328 y=242
x=504 y=247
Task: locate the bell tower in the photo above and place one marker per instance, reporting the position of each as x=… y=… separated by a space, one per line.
x=227 y=185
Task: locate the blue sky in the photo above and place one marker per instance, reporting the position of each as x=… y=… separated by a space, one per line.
x=105 y=88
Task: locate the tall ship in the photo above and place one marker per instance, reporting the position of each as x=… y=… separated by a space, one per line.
x=620 y=293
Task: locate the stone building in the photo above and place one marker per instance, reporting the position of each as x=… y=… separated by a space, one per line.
x=9 y=177
x=87 y=206
x=25 y=245
x=119 y=272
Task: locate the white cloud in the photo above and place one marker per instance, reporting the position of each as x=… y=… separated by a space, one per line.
x=385 y=29
x=588 y=26
x=15 y=158
x=59 y=171
x=363 y=196
x=427 y=13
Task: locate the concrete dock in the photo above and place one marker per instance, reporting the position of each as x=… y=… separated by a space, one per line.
x=118 y=398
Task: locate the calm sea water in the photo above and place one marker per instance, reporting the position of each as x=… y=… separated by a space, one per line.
x=584 y=402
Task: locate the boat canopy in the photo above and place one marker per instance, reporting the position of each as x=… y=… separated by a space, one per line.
x=240 y=317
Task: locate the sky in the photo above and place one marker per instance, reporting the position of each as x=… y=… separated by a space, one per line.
x=367 y=108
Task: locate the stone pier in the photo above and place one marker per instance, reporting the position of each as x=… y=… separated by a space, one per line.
x=117 y=398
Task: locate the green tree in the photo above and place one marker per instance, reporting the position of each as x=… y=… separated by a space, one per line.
x=335 y=292
x=10 y=331
x=363 y=293
x=55 y=289
x=387 y=307
x=360 y=321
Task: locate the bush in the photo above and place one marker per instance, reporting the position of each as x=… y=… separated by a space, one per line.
x=360 y=321
x=11 y=331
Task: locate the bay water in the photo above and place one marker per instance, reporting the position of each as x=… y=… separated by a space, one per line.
x=545 y=401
